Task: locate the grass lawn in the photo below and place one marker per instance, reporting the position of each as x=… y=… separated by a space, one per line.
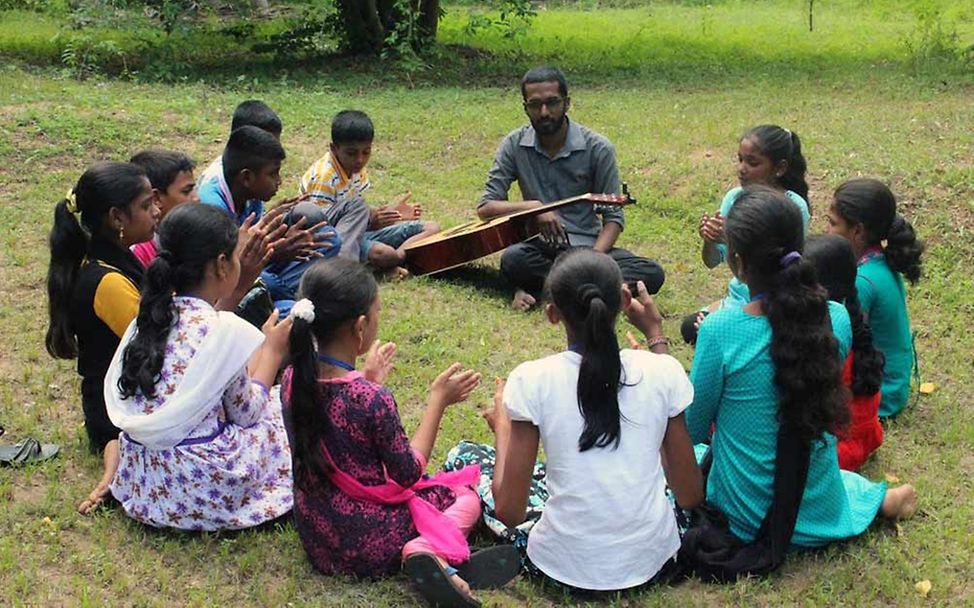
x=672 y=86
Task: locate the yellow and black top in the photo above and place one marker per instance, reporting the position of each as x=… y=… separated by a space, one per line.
x=104 y=302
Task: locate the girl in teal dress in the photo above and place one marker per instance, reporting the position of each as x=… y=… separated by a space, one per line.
x=767 y=155
x=777 y=360
x=863 y=211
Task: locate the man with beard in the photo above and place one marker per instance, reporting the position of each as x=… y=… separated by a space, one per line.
x=554 y=158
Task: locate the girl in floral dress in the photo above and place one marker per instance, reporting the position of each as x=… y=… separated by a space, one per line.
x=362 y=504
x=203 y=445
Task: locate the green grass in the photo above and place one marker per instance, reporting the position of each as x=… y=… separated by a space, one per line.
x=673 y=100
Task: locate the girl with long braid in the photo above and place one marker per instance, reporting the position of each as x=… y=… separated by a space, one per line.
x=862 y=372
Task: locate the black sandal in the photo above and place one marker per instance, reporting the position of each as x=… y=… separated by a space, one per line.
x=491 y=568
x=434 y=583
x=27 y=451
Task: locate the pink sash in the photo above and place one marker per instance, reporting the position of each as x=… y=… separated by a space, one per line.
x=441 y=531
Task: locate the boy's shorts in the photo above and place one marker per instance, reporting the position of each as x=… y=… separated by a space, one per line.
x=393 y=236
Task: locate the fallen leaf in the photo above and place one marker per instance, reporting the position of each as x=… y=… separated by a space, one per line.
x=923 y=587
x=890 y=478
x=927 y=387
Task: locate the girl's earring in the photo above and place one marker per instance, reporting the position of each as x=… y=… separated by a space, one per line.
x=121 y=233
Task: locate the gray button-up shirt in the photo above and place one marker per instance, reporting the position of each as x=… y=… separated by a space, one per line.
x=586 y=163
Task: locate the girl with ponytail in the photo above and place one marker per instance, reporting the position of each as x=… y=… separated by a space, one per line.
x=613 y=433
x=835 y=267
x=766 y=376
x=767 y=155
x=362 y=504
x=203 y=445
x=93 y=287
x=864 y=212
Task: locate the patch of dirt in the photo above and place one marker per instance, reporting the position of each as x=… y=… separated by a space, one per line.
x=703 y=155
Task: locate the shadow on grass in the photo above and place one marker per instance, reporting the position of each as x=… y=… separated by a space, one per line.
x=485 y=279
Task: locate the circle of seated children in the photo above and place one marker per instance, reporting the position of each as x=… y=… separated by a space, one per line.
x=195 y=436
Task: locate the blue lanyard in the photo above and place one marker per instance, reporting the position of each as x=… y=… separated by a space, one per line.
x=759 y=296
x=336 y=362
x=575 y=347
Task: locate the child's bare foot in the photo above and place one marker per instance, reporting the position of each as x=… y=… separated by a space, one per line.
x=95 y=499
x=523 y=301
x=899 y=503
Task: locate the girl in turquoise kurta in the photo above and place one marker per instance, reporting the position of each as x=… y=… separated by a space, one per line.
x=767 y=155
x=864 y=212
x=778 y=360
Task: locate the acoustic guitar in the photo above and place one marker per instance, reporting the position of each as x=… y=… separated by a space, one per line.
x=473 y=240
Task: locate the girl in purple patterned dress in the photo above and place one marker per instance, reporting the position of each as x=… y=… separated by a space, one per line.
x=203 y=446
x=361 y=501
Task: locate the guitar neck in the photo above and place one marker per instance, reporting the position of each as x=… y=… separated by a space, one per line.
x=588 y=197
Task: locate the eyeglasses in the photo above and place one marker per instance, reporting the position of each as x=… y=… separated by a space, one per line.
x=552 y=103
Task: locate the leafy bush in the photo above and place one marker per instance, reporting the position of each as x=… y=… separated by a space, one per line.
x=934 y=38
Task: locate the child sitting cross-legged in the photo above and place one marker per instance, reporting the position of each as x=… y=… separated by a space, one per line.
x=338 y=181
x=361 y=501
x=203 y=446
x=613 y=431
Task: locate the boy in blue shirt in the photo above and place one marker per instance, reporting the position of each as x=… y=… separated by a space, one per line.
x=251 y=174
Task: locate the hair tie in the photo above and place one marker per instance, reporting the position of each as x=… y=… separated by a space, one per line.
x=789 y=258
x=304 y=309
x=588 y=292
x=72 y=205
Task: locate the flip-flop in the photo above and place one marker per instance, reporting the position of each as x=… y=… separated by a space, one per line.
x=434 y=583
x=28 y=450
x=491 y=568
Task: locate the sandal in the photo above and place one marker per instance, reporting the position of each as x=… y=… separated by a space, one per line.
x=491 y=568
x=434 y=582
x=27 y=451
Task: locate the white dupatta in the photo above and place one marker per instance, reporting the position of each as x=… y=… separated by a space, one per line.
x=224 y=352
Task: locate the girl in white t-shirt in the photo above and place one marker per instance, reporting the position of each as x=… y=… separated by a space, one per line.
x=613 y=431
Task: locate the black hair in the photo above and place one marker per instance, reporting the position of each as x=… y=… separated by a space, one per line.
x=544 y=73
x=162 y=166
x=871 y=203
x=762 y=229
x=102 y=187
x=190 y=237
x=351 y=126
x=258 y=114
x=780 y=144
x=250 y=148
x=835 y=267
x=586 y=287
x=341 y=290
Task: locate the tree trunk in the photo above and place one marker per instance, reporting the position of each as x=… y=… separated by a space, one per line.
x=429 y=19
x=362 y=25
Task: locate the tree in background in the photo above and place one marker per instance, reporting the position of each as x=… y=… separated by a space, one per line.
x=408 y=26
